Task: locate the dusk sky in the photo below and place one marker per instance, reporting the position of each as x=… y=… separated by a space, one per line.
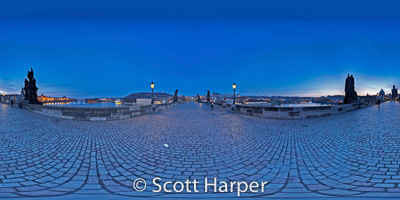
x=298 y=48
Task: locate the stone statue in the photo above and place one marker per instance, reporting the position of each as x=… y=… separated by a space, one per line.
x=26 y=89
x=395 y=93
x=351 y=94
x=31 y=89
x=208 y=96
x=176 y=96
x=30 y=75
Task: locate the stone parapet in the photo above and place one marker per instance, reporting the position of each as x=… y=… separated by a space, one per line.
x=96 y=114
x=290 y=112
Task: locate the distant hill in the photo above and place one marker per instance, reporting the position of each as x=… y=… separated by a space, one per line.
x=147 y=95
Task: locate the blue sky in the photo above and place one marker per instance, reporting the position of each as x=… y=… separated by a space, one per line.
x=111 y=49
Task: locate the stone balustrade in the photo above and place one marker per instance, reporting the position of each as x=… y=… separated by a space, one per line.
x=290 y=112
x=96 y=114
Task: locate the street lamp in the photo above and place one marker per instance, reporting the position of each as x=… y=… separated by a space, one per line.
x=234 y=97
x=152 y=88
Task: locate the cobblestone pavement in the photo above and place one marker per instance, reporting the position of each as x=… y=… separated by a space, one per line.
x=355 y=154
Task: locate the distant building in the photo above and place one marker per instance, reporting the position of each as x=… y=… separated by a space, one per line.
x=241 y=100
x=256 y=101
x=158 y=101
x=330 y=99
x=395 y=93
x=367 y=99
x=6 y=98
x=93 y=100
x=183 y=98
x=46 y=99
x=147 y=95
x=107 y=100
x=118 y=101
x=218 y=95
x=143 y=101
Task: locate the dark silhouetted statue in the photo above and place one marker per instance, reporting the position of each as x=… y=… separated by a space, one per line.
x=198 y=98
x=176 y=96
x=208 y=96
x=351 y=94
x=31 y=89
x=395 y=93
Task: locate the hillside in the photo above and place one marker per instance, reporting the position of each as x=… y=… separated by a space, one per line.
x=147 y=95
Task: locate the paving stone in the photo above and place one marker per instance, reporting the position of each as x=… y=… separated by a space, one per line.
x=345 y=155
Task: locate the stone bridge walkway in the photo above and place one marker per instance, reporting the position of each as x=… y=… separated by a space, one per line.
x=354 y=154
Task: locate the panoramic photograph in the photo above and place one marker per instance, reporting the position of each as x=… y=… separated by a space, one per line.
x=199 y=99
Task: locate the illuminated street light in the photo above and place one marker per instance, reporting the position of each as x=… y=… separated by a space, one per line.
x=234 y=97
x=152 y=88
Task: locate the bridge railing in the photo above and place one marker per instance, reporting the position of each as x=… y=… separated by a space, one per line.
x=97 y=114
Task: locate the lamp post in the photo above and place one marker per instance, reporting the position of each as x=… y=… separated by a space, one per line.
x=234 y=97
x=152 y=88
